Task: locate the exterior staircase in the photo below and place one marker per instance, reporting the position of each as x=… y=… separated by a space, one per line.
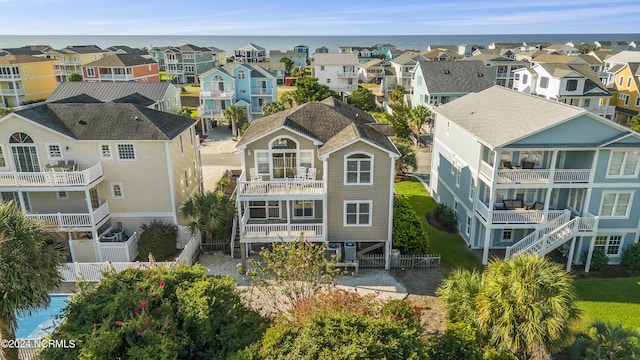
x=553 y=234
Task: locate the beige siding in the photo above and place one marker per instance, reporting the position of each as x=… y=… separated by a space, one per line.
x=84 y=250
x=263 y=144
x=378 y=193
x=47 y=203
x=184 y=161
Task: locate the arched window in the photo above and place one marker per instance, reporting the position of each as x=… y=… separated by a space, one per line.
x=25 y=155
x=20 y=138
x=359 y=168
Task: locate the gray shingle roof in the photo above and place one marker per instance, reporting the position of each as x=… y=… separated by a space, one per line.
x=107 y=121
x=332 y=122
x=499 y=115
x=335 y=59
x=121 y=60
x=455 y=77
x=110 y=91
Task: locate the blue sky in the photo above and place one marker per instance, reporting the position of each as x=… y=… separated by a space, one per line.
x=325 y=17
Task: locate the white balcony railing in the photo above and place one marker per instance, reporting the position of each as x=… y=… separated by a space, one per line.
x=516 y=216
x=252 y=232
x=603 y=110
x=11 y=92
x=256 y=109
x=347 y=74
x=72 y=220
x=541 y=176
x=486 y=170
x=207 y=112
x=10 y=77
x=280 y=187
x=51 y=178
x=116 y=77
x=261 y=91
x=217 y=94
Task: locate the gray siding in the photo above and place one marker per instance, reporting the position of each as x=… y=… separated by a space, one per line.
x=582 y=130
x=378 y=193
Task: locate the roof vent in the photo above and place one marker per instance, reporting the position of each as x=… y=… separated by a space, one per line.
x=446 y=72
x=480 y=74
x=82 y=122
x=137 y=119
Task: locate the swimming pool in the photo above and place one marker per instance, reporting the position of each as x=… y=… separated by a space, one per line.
x=43 y=321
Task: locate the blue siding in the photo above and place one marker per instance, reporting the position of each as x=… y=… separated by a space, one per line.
x=580 y=130
x=604 y=223
x=602 y=167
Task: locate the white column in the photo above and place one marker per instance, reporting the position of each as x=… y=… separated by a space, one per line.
x=570 y=255
x=592 y=244
x=487 y=241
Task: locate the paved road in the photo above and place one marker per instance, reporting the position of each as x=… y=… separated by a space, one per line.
x=218 y=154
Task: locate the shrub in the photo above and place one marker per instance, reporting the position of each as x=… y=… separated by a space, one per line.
x=459 y=341
x=631 y=256
x=599 y=259
x=159 y=239
x=604 y=340
x=409 y=234
x=445 y=216
x=158 y=313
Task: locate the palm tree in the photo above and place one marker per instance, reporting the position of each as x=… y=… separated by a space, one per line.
x=210 y=213
x=28 y=270
x=607 y=341
x=458 y=293
x=419 y=116
x=407 y=159
x=397 y=94
x=527 y=305
x=235 y=115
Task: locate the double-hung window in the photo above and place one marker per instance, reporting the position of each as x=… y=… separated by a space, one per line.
x=359 y=169
x=624 y=163
x=616 y=204
x=54 y=152
x=357 y=213
x=610 y=244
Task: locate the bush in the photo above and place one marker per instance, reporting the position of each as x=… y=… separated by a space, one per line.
x=631 y=256
x=599 y=260
x=159 y=239
x=459 y=341
x=158 y=313
x=409 y=234
x=446 y=217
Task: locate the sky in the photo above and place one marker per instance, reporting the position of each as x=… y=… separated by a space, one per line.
x=326 y=17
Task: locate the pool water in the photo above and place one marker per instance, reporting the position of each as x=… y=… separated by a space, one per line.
x=42 y=321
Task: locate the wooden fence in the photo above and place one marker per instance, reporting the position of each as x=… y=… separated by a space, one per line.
x=376 y=261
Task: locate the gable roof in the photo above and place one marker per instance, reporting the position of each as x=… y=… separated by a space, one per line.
x=499 y=115
x=21 y=59
x=558 y=59
x=408 y=58
x=624 y=57
x=107 y=121
x=331 y=122
x=25 y=50
x=121 y=60
x=454 y=77
x=562 y=70
x=335 y=59
x=250 y=46
x=108 y=91
x=82 y=49
x=126 y=49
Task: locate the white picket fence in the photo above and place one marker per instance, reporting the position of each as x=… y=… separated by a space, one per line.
x=376 y=261
x=92 y=272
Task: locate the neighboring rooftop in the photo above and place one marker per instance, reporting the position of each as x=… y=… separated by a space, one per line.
x=335 y=59
x=109 y=91
x=121 y=60
x=455 y=77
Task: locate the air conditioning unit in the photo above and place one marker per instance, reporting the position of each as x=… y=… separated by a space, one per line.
x=334 y=251
x=108 y=238
x=350 y=251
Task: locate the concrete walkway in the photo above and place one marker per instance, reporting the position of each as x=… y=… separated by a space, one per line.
x=218 y=154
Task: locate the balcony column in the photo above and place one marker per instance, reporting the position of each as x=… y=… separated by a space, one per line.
x=288 y=218
x=592 y=245
x=570 y=255
x=552 y=174
x=23 y=207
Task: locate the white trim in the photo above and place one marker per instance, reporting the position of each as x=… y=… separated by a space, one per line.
x=172 y=190
x=181 y=144
x=622 y=165
x=101 y=152
x=141 y=214
x=617 y=193
x=112 y=189
x=607 y=244
x=48 y=147
x=357 y=202
x=502 y=233
x=358 y=171
x=36 y=124
x=313 y=209
x=468 y=224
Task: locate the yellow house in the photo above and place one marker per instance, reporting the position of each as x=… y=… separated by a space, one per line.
x=626 y=93
x=95 y=171
x=25 y=78
x=71 y=59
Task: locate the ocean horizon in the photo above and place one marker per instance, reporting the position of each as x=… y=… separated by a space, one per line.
x=284 y=42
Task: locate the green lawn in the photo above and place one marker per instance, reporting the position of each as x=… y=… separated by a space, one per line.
x=614 y=300
x=451 y=247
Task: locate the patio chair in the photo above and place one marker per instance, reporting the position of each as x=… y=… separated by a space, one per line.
x=253 y=172
x=528 y=164
x=506 y=164
x=301 y=173
x=311 y=173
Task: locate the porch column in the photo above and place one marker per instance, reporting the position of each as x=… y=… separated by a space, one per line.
x=21 y=199
x=288 y=218
x=592 y=244
x=570 y=255
x=96 y=245
x=547 y=196
x=487 y=242
x=241 y=230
